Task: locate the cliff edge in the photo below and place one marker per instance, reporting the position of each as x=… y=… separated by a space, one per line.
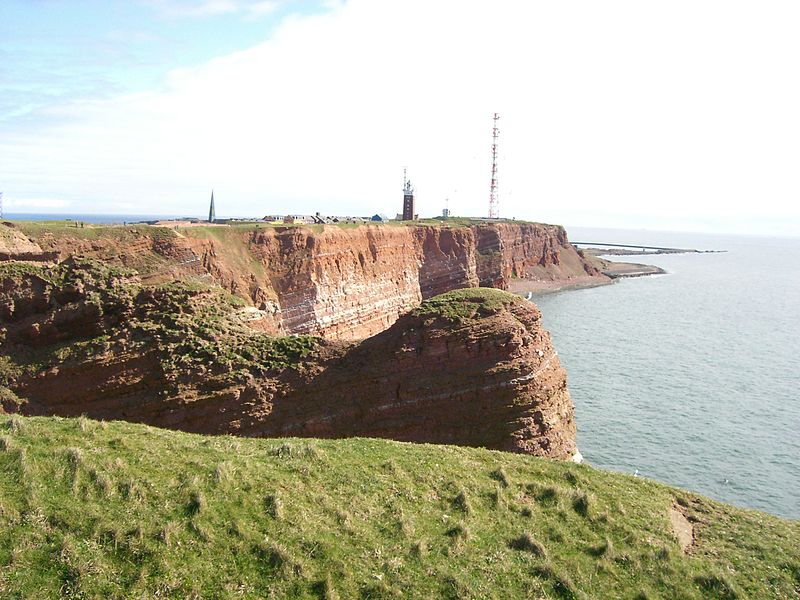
x=341 y=283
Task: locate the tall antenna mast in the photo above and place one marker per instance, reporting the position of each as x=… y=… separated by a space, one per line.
x=494 y=210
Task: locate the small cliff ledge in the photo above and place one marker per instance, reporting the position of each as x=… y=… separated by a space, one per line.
x=471 y=367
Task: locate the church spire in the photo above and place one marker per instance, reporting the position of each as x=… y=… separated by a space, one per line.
x=211 y=214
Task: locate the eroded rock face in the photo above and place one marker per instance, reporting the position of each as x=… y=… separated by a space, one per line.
x=14 y=245
x=342 y=283
x=86 y=337
x=491 y=380
x=473 y=367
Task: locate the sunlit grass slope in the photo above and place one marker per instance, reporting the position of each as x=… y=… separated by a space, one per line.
x=104 y=510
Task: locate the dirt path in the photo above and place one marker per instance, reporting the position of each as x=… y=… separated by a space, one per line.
x=683 y=528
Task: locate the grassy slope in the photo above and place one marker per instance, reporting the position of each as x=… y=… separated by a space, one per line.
x=93 y=509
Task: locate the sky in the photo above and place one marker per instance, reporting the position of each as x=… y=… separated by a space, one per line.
x=677 y=115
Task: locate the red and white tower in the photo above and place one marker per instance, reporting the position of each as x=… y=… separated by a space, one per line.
x=494 y=209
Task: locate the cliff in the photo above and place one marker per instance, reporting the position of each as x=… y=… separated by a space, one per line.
x=342 y=283
x=471 y=367
x=281 y=331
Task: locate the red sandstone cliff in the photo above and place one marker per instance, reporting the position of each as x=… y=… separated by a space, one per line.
x=342 y=283
x=473 y=367
x=147 y=334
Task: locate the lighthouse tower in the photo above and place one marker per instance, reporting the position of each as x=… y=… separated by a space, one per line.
x=212 y=215
x=408 y=199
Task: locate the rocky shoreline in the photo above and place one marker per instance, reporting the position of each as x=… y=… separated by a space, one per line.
x=609 y=271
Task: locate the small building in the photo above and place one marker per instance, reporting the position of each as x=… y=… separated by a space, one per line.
x=379 y=218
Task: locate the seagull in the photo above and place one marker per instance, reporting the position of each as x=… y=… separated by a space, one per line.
x=636 y=473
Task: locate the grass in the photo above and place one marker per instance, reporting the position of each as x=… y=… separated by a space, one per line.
x=110 y=510
x=465 y=304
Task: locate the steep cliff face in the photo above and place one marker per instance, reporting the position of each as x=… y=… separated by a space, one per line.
x=341 y=283
x=471 y=367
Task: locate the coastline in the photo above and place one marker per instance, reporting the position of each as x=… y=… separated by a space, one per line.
x=611 y=271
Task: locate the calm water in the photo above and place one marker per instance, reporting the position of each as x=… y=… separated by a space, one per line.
x=691 y=377
x=86 y=218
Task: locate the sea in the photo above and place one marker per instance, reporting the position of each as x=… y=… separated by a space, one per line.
x=691 y=378
x=93 y=218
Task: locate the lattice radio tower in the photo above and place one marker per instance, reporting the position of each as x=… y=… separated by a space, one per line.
x=494 y=209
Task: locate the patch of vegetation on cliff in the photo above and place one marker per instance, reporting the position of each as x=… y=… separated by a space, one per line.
x=465 y=304
x=91 y=509
x=195 y=324
x=190 y=324
x=86 y=272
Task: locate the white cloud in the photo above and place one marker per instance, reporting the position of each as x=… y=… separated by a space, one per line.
x=685 y=109
x=14 y=204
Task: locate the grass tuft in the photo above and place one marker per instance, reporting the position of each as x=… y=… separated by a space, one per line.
x=527 y=543
x=548 y=496
x=278 y=559
x=581 y=503
x=501 y=476
x=459 y=534
x=130 y=490
x=564 y=588
x=223 y=473
x=461 y=502
x=287 y=450
x=420 y=549
x=497 y=497
x=74 y=464
x=273 y=505
x=14 y=424
x=196 y=503
x=716 y=586
x=101 y=482
x=168 y=533
x=84 y=424
x=325 y=589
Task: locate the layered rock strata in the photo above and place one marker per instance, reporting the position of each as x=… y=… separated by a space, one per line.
x=487 y=376
x=471 y=367
x=341 y=283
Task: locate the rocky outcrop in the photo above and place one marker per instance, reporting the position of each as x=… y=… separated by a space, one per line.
x=470 y=367
x=14 y=245
x=342 y=283
x=485 y=376
x=176 y=328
